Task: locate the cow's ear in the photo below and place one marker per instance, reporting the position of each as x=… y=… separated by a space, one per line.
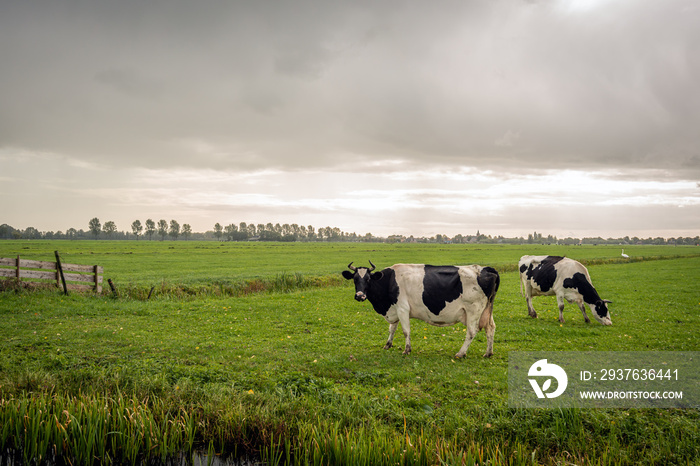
x=377 y=276
x=348 y=274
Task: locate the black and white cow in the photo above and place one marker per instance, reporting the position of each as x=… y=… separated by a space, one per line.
x=438 y=295
x=567 y=279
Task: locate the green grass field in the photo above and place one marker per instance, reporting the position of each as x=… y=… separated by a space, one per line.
x=301 y=377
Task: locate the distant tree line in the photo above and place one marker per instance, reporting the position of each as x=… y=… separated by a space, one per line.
x=172 y=230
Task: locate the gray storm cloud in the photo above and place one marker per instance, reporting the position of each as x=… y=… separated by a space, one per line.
x=262 y=84
x=514 y=88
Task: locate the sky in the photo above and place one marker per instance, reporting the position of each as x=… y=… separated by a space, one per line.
x=566 y=117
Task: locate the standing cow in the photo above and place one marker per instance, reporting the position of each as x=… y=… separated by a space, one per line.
x=438 y=295
x=565 y=278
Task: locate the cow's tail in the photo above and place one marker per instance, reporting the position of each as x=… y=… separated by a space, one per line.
x=489 y=281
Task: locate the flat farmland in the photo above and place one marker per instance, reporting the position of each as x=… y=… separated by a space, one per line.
x=191 y=262
x=300 y=376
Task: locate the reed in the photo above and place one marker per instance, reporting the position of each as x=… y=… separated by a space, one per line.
x=87 y=429
x=280 y=283
x=91 y=429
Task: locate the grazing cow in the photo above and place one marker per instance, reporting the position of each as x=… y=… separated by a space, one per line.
x=440 y=296
x=565 y=278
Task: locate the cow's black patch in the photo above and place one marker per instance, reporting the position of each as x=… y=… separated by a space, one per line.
x=523 y=268
x=441 y=284
x=590 y=295
x=489 y=281
x=383 y=292
x=544 y=274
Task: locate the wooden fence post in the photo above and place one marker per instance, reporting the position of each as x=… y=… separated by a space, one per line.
x=60 y=270
x=111 y=286
x=17 y=273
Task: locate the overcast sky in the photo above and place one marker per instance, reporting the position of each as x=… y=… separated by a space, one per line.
x=571 y=117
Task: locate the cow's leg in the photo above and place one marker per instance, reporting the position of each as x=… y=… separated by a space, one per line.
x=392 y=331
x=560 y=302
x=490 y=333
x=582 y=306
x=406 y=328
x=530 y=309
x=486 y=322
x=528 y=298
x=472 y=330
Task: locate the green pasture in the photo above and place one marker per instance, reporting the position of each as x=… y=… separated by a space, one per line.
x=301 y=377
x=205 y=262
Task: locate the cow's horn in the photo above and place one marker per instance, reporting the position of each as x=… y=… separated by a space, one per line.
x=607 y=301
x=373 y=266
x=354 y=269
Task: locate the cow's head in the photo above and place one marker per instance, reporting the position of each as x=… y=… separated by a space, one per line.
x=600 y=311
x=363 y=278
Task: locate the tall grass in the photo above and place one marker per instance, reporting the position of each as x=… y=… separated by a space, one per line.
x=279 y=283
x=88 y=429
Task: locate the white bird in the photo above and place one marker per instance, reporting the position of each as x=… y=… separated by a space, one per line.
x=624 y=255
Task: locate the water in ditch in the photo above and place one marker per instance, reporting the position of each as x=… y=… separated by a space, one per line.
x=197 y=458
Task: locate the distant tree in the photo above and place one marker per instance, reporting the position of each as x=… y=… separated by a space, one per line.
x=269 y=235
x=6 y=231
x=218 y=231
x=186 y=231
x=31 y=233
x=162 y=229
x=230 y=231
x=109 y=228
x=174 y=229
x=136 y=228
x=71 y=233
x=95 y=226
x=150 y=228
